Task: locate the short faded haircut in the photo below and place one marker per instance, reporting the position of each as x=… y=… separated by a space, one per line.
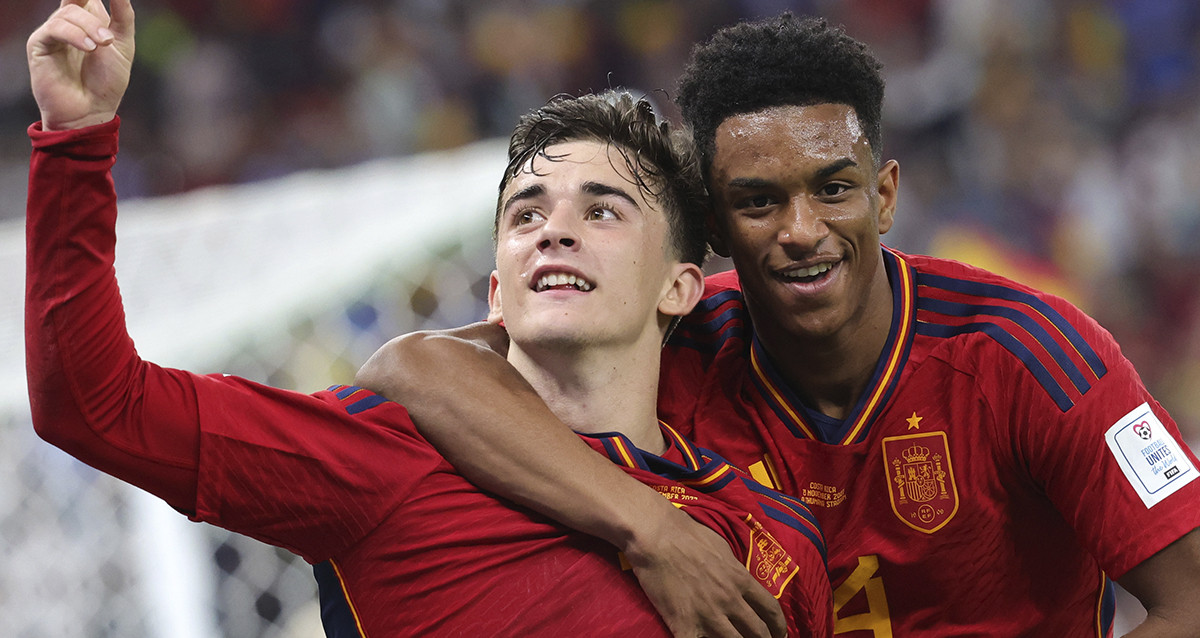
x=780 y=61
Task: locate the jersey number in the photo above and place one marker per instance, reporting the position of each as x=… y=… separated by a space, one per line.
x=876 y=618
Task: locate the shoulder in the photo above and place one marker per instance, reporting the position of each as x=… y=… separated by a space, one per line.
x=945 y=284
x=780 y=512
x=954 y=298
x=408 y=359
x=787 y=550
x=722 y=298
x=718 y=317
x=352 y=399
x=788 y=512
x=992 y=323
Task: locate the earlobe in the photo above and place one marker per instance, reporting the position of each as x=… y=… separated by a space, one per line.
x=495 y=312
x=889 y=190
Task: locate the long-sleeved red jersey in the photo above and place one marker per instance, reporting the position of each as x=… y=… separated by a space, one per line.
x=404 y=545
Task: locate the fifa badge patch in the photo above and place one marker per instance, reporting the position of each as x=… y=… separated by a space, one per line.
x=921 y=480
x=1152 y=460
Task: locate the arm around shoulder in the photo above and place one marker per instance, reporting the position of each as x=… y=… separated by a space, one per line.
x=485 y=419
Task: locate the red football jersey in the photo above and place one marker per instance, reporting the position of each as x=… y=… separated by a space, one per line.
x=1004 y=462
x=405 y=545
x=452 y=560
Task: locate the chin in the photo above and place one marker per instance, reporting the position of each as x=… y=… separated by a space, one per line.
x=817 y=325
x=806 y=322
x=558 y=335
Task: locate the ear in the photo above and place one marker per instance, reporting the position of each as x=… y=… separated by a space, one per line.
x=716 y=239
x=888 y=190
x=683 y=290
x=495 y=312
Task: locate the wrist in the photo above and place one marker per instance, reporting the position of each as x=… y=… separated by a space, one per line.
x=50 y=124
x=639 y=526
x=98 y=139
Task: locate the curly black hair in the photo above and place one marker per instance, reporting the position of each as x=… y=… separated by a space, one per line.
x=662 y=158
x=779 y=61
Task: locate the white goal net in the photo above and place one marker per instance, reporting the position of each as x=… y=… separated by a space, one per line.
x=293 y=282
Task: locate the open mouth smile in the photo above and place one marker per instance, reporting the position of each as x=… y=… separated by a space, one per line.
x=562 y=281
x=807 y=274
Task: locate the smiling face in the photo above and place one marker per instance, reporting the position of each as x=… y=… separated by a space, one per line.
x=582 y=254
x=800 y=208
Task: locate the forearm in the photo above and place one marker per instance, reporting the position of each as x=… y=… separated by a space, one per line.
x=1168 y=585
x=87 y=386
x=1159 y=627
x=485 y=419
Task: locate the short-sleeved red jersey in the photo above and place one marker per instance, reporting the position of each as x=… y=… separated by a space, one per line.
x=1004 y=462
x=405 y=546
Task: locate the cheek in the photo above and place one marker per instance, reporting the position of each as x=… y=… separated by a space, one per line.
x=748 y=235
x=512 y=253
x=861 y=223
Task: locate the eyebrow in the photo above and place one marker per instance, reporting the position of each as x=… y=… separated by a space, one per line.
x=836 y=167
x=592 y=188
x=528 y=192
x=600 y=190
x=828 y=170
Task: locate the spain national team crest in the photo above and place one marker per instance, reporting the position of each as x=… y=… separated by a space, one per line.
x=921 y=480
x=768 y=560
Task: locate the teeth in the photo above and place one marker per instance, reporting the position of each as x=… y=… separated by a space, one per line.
x=811 y=271
x=551 y=280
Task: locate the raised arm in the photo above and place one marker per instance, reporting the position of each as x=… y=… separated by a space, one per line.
x=487 y=421
x=87 y=386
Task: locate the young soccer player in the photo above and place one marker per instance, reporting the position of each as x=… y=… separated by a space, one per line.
x=982 y=457
x=599 y=233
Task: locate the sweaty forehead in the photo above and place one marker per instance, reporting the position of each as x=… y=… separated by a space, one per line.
x=570 y=167
x=820 y=132
x=561 y=160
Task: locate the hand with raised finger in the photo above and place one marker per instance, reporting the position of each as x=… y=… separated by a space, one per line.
x=79 y=63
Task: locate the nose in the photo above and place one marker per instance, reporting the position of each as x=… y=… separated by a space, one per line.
x=559 y=230
x=804 y=227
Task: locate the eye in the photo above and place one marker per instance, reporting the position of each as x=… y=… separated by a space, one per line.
x=601 y=213
x=526 y=216
x=756 y=201
x=755 y=205
x=833 y=190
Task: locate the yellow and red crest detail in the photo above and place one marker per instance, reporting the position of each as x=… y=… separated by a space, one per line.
x=768 y=561
x=921 y=480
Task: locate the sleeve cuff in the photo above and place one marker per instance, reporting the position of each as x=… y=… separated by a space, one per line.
x=97 y=141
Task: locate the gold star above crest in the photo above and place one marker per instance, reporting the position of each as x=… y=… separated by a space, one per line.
x=914 y=421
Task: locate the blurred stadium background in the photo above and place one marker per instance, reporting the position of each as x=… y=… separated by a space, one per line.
x=303 y=179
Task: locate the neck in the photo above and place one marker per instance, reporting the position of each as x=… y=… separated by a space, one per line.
x=596 y=389
x=831 y=372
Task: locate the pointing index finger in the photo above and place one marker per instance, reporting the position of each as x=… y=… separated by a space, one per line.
x=122 y=17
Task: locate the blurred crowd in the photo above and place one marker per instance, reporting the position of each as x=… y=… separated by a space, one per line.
x=1056 y=141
